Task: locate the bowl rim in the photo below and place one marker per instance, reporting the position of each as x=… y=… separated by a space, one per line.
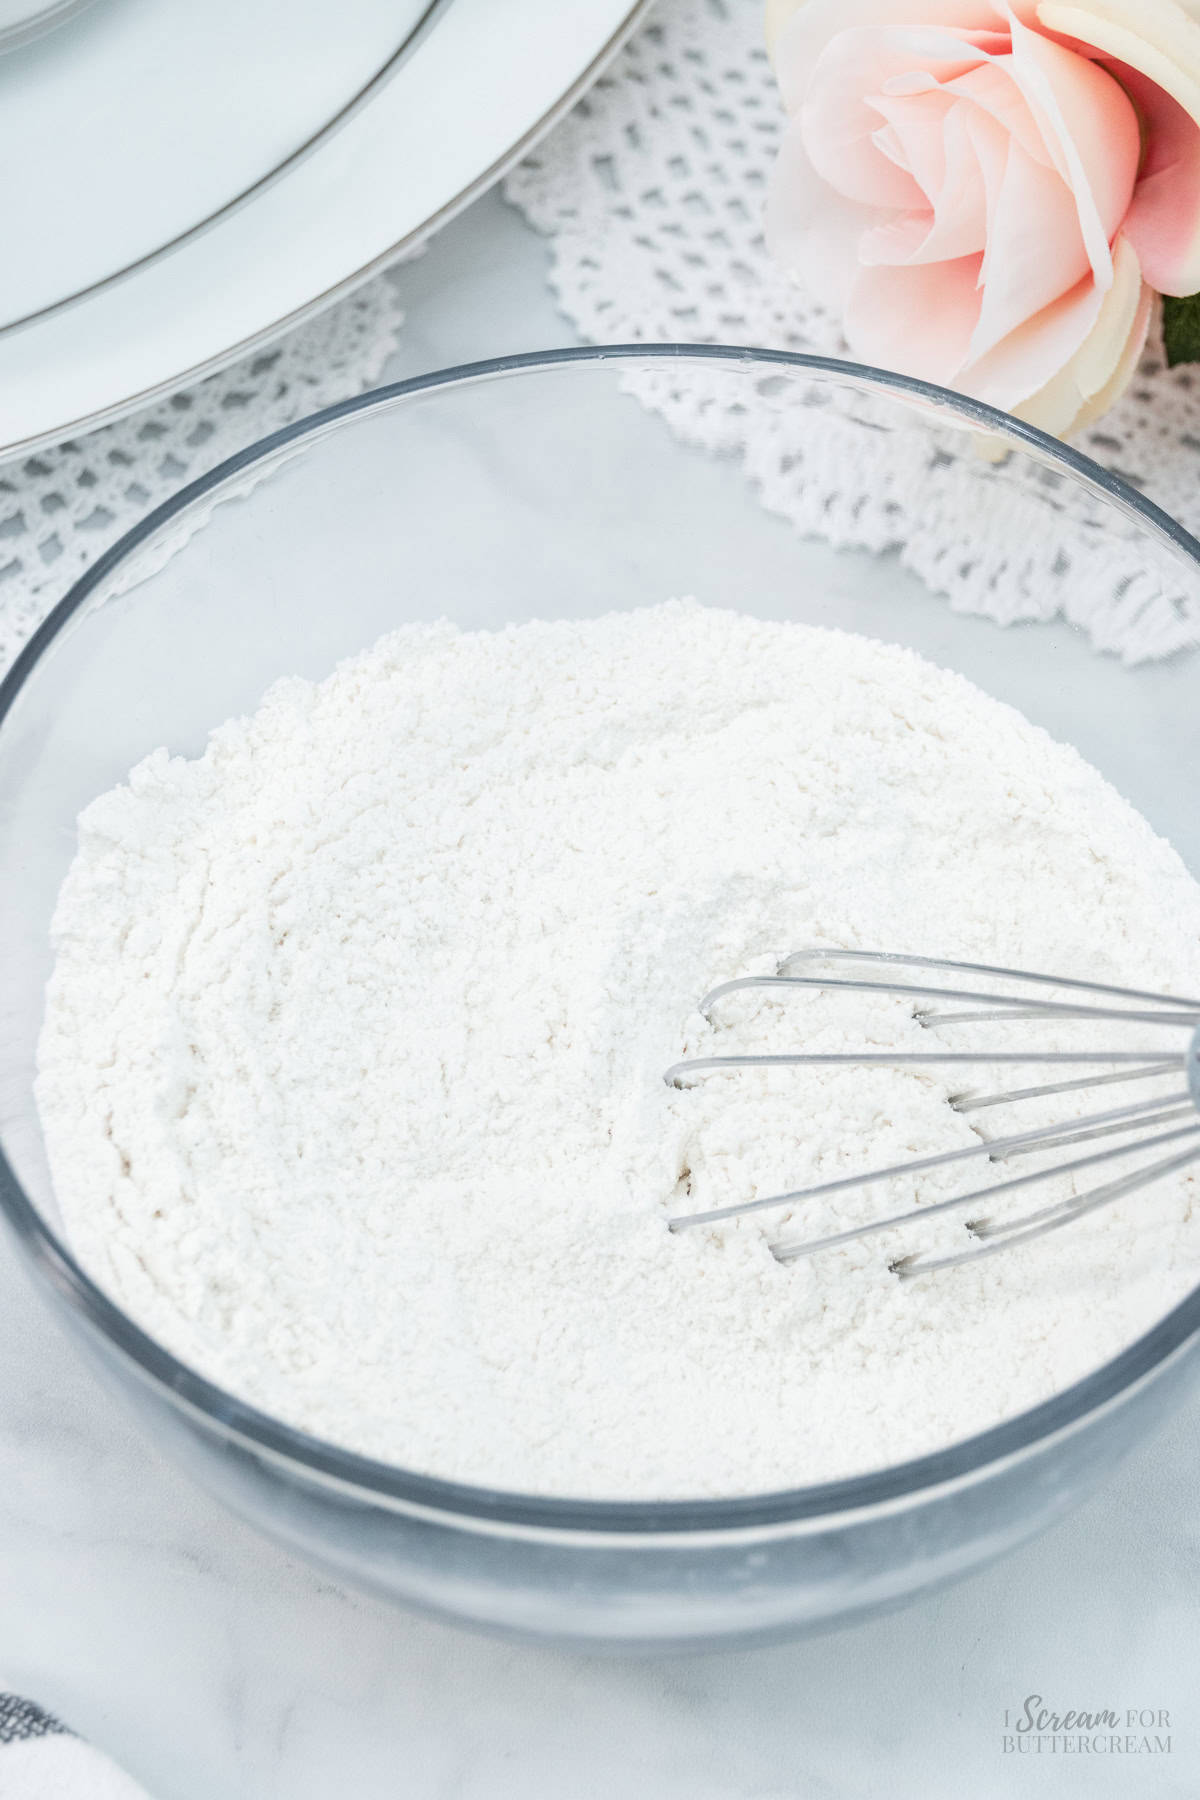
x=259 y=1431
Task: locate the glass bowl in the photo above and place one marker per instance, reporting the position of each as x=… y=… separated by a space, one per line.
x=550 y=485
x=23 y=20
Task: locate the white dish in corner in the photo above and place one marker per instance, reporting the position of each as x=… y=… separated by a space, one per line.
x=140 y=273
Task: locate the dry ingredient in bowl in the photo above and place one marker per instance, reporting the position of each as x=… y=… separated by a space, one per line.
x=351 y=1073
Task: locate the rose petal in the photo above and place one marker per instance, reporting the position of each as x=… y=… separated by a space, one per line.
x=1163 y=221
x=1126 y=367
x=803 y=37
x=809 y=227
x=841 y=119
x=1034 y=250
x=1094 y=361
x=903 y=238
x=991 y=89
x=1105 y=361
x=917 y=319
x=1164 y=39
x=1033 y=354
x=957 y=224
x=1091 y=128
x=913 y=135
x=1156 y=39
x=990 y=146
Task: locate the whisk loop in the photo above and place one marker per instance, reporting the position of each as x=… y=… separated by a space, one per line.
x=1137 y=1122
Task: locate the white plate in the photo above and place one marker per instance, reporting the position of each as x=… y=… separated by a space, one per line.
x=342 y=147
x=149 y=120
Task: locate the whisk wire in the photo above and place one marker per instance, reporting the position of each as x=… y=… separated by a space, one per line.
x=969 y=1102
x=898 y=959
x=990 y=1147
x=1160 y=1015
x=1058 y=1216
x=792 y=1249
x=1131 y=1122
x=1098 y=1131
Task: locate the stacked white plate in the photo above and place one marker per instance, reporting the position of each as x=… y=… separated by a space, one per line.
x=185 y=181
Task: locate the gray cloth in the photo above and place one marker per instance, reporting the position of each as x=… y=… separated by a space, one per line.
x=42 y=1759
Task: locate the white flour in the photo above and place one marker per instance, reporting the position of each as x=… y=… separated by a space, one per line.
x=351 y=1073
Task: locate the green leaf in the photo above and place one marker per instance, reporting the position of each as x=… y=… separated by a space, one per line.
x=1181 y=329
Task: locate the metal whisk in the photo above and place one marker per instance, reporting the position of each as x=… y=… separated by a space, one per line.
x=1139 y=1124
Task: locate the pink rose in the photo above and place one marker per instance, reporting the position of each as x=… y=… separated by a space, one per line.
x=992 y=191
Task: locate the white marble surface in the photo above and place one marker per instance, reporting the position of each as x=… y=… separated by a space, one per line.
x=216 y=1668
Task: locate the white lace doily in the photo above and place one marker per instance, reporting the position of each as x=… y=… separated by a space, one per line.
x=652 y=192
x=60 y=508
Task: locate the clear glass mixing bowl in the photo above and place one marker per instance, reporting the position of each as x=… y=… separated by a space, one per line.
x=543 y=486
